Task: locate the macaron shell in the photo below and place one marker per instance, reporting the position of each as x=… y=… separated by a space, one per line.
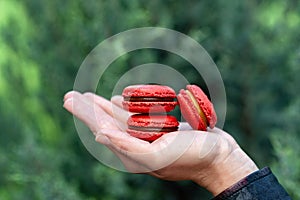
x=155 y=91
x=189 y=112
x=204 y=103
x=148 y=91
x=149 y=107
x=146 y=120
x=152 y=120
x=147 y=136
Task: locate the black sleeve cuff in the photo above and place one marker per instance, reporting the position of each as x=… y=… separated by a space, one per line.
x=261 y=184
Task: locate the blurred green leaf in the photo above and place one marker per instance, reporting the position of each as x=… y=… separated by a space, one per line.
x=43 y=43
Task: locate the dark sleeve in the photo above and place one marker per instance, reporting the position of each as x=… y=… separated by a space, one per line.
x=261 y=184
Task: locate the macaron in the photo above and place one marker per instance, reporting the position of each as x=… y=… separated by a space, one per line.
x=149 y=127
x=149 y=98
x=196 y=108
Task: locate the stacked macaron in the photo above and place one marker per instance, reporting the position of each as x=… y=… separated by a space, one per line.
x=152 y=102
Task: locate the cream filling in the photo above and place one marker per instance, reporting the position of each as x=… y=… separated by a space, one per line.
x=194 y=101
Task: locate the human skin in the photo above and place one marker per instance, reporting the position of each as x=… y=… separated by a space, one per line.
x=211 y=158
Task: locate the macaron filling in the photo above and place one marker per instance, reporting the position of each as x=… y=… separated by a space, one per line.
x=149 y=99
x=153 y=129
x=195 y=103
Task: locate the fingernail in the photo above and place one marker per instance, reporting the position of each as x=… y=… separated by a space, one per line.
x=68 y=104
x=68 y=95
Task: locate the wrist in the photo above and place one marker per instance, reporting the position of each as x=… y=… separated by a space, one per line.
x=226 y=171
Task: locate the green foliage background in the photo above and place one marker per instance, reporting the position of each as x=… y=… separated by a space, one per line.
x=255 y=45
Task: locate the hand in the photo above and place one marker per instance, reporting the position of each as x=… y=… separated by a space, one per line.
x=212 y=159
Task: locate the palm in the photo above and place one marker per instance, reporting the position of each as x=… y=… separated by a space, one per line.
x=174 y=156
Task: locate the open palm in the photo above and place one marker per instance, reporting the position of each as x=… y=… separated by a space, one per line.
x=182 y=155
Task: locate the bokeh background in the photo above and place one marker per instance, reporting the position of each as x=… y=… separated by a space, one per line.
x=255 y=44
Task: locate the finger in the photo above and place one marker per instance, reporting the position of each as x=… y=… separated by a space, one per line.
x=68 y=95
x=126 y=143
x=135 y=150
x=130 y=163
x=159 y=154
x=224 y=135
x=184 y=126
x=93 y=116
x=100 y=101
x=117 y=100
x=115 y=111
x=83 y=112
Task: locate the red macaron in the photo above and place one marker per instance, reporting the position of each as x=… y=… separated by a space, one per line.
x=150 y=127
x=153 y=100
x=149 y=98
x=196 y=108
